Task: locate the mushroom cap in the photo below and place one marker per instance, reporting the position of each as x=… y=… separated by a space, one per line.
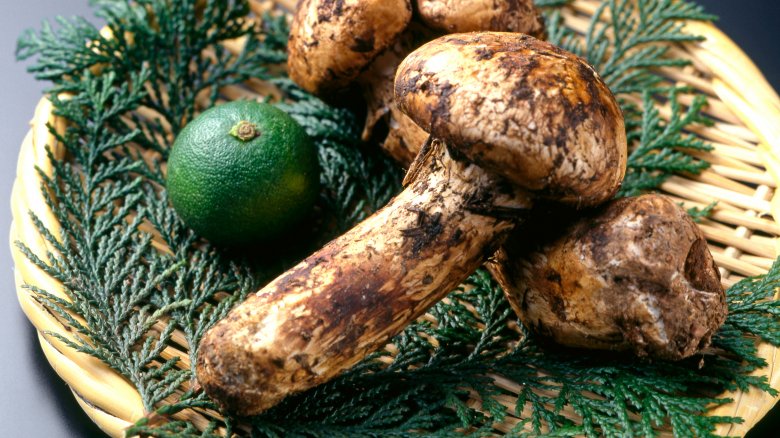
x=634 y=275
x=331 y=42
x=453 y=16
x=523 y=108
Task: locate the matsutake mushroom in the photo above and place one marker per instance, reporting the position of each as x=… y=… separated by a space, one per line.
x=512 y=119
x=635 y=275
x=559 y=314
x=329 y=51
x=536 y=114
x=482 y=15
x=404 y=137
x=332 y=42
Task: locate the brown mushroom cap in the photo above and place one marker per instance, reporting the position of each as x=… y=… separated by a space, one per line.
x=331 y=42
x=453 y=16
x=634 y=275
x=523 y=108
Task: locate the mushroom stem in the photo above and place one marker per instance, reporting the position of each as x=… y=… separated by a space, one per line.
x=349 y=298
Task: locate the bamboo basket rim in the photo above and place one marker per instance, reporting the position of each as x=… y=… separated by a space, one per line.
x=744 y=176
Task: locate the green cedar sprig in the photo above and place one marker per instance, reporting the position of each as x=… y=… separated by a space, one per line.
x=660 y=148
x=628 y=44
x=698 y=214
x=357 y=181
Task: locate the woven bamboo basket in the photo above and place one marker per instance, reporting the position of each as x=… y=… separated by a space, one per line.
x=743 y=229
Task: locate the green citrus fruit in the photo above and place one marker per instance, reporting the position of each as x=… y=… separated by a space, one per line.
x=242 y=172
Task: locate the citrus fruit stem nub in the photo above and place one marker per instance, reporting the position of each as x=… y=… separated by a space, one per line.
x=243 y=172
x=244 y=131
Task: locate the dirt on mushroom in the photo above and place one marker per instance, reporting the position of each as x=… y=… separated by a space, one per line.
x=633 y=275
x=332 y=42
x=524 y=106
x=299 y=331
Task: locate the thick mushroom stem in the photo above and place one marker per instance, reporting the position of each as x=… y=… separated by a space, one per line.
x=635 y=275
x=348 y=299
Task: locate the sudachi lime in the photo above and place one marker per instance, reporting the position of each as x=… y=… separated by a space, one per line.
x=242 y=172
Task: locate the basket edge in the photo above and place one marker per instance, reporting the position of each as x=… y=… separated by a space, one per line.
x=61 y=358
x=736 y=97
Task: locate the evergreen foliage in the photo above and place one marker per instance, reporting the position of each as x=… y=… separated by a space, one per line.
x=126 y=96
x=697 y=214
x=628 y=44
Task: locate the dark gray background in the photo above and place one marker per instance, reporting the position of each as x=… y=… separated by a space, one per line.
x=33 y=401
